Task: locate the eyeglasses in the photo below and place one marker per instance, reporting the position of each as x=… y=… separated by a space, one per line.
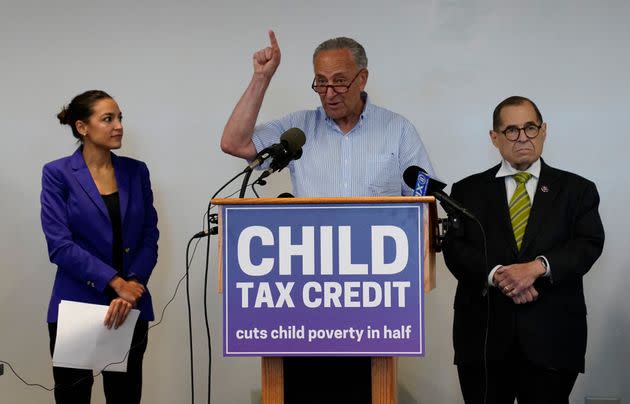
x=339 y=88
x=512 y=132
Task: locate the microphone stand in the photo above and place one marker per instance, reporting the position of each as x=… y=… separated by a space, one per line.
x=452 y=222
x=211 y=231
x=248 y=173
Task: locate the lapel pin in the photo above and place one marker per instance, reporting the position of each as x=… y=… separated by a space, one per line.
x=544 y=188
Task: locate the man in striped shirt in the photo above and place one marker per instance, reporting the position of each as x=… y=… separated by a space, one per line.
x=353 y=147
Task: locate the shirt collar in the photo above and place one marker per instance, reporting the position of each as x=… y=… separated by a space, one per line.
x=506 y=170
x=367 y=104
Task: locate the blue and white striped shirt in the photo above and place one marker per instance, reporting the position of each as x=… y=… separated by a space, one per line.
x=367 y=161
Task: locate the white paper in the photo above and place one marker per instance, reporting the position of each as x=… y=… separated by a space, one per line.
x=84 y=342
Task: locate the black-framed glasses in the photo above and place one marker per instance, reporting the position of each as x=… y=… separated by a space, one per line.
x=513 y=132
x=339 y=88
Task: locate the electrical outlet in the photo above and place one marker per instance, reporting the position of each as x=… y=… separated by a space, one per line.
x=602 y=400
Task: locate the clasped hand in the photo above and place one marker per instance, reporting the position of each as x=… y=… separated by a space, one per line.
x=129 y=292
x=516 y=281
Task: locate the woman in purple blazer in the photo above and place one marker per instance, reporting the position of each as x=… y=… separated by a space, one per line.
x=101 y=229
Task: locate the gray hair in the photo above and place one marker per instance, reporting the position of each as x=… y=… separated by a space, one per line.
x=358 y=53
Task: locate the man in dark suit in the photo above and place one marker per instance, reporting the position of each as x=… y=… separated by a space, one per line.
x=519 y=329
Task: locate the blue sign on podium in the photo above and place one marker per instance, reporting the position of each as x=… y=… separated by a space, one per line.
x=323 y=279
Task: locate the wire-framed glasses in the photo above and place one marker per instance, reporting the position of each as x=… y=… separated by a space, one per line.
x=321 y=87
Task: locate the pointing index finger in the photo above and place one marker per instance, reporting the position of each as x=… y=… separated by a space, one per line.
x=273 y=40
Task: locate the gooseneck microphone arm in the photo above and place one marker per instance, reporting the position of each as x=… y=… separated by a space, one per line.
x=450 y=205
x=248 y=174
x=415 y=175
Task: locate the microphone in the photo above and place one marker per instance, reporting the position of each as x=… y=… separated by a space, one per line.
x=422 y=184
x=289 y=148
x=277 y=164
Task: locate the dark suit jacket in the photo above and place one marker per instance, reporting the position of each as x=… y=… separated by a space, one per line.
x=78 y=230
x=564 y=226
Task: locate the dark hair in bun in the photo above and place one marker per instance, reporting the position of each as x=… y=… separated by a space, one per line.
x=80 y=109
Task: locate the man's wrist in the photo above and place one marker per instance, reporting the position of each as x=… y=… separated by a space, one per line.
x=491 y=275
x=262 y=79
x=543 y=265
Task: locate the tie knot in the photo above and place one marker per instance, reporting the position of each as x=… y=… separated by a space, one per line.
x=522 y=178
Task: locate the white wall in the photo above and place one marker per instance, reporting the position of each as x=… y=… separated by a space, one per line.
x=177 y=69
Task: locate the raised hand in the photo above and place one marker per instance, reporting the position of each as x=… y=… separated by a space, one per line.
x=267 y=60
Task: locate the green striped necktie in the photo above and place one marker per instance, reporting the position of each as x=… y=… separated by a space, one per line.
x=520 y=206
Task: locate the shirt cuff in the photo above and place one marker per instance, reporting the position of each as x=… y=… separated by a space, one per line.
x=491 y=275
x=547 y=266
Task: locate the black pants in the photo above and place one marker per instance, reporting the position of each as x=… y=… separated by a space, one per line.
x=74 y=386
x=330 y=380
x=515 y=377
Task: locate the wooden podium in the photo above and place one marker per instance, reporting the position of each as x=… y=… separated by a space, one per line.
x=383 y=368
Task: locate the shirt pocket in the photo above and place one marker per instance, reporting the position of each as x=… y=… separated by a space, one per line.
x=383 y=175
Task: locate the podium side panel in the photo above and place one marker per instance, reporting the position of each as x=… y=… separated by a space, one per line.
x=272 y=380
x=384 y=376
x=428 y=220
x=220 y=254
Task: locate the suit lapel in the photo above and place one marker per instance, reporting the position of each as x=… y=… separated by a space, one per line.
x=498 y=206
x=84 y=178
x=546 y=192
x=122 y=180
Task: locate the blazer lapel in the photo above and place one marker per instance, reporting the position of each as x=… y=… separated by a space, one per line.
x=122 y=180
x=84 y=178
x=546 y=192
x=498 y=206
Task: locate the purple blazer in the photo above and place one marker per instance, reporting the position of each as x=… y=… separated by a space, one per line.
x=79 y=232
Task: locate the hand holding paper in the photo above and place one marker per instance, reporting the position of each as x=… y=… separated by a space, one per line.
x=84 y=342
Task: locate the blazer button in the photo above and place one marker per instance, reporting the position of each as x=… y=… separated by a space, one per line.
x=127 y=250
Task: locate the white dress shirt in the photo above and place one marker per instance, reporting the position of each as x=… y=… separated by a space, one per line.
x=507 y=171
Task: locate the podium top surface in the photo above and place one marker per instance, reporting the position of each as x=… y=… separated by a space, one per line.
x=328 y=200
